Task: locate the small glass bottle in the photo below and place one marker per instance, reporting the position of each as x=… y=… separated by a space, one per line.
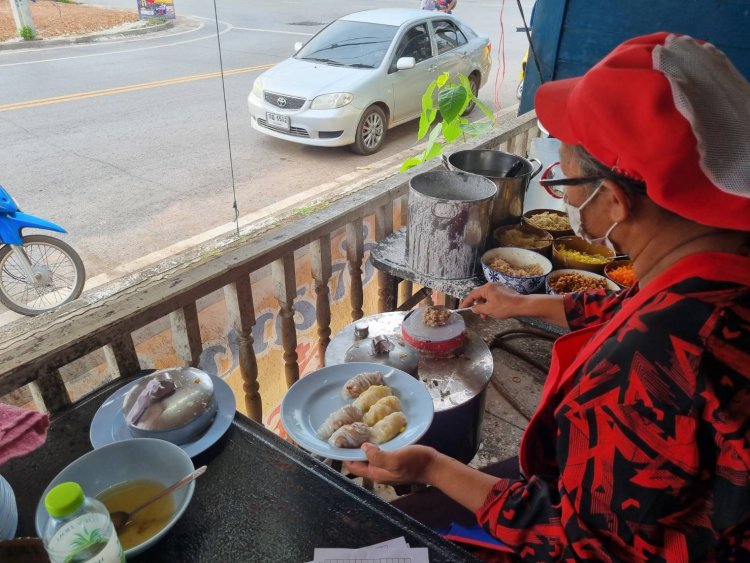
x=79 y=529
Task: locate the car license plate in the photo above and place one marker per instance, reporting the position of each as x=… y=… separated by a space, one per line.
x=278 y=121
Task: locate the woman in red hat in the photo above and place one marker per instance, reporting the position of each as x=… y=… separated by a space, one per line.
x=640 y=447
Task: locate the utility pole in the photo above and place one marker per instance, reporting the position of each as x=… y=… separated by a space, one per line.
x=22 y=15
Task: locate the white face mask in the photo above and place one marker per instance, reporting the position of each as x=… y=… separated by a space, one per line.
x=574 y=214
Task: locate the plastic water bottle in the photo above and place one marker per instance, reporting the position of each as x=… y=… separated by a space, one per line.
x=79 y=529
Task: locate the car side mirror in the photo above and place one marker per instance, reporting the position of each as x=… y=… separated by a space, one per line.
x=405 y=63
x=297 y=46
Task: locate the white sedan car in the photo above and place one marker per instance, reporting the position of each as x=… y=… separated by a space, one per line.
x=363 y=74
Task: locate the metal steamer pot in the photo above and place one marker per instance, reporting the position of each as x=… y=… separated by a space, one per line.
x=449 y=219
x=495 y=166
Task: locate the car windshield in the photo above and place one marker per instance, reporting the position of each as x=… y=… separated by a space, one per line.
x=349 y=43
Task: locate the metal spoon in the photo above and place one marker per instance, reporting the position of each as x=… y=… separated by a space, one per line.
x=120 y=518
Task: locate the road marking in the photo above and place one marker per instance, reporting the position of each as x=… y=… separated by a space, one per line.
x=275 y=31
x=160 y=46
x=125 y=89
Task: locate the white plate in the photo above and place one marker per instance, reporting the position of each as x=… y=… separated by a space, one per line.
x=108 y=425
x=309 y=402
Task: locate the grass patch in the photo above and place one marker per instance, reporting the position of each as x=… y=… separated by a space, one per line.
x=26 y=33
x=306 y=210
x=158 y=20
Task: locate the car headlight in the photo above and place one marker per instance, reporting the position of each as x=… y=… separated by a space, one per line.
x=331 y=101
x=258 y=87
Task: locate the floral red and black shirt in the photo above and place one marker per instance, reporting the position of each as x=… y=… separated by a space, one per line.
x=644 y=454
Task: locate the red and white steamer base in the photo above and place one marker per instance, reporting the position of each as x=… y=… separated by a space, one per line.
x=440 y=341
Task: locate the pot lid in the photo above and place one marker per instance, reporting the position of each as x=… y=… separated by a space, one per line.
x=168 y=399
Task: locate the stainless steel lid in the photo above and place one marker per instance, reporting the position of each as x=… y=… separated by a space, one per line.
x=192 y=399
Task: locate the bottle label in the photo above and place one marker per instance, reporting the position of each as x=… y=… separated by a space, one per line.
x=87 y=539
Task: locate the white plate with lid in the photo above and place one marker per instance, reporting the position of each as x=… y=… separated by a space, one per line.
x=109 y=426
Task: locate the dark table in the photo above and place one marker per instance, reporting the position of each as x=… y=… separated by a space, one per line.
x=262 y=499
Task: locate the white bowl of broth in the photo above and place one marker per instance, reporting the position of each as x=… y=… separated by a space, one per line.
x=125 y=474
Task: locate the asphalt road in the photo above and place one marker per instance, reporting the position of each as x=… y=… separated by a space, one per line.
x=124 y=143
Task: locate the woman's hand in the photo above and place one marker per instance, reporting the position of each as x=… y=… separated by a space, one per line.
x=411 y=464
x=494 y=300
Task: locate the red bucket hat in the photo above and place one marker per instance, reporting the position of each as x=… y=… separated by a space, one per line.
x=667 y=110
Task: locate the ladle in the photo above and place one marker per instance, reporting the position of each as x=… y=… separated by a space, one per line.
x=120 y=518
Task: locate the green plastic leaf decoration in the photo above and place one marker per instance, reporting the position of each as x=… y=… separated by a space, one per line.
x=411 y=162
x=452 y=101
x=427 y=96
x=433 y=151
x=485 y=110
x=425 y=120
x=452 y=130
x=466 y=84
x=476 y=128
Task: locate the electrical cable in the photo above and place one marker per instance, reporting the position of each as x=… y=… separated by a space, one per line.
x=531 y=44
x=226 y=120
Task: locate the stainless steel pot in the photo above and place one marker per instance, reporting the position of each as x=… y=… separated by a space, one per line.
x=449 y=219
x=495 y=165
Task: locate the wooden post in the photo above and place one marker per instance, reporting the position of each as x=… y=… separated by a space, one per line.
x=322 y=269
x=121 y=356
x=239 y=300
x=49 y=392
x=285 y=290
x=355 y=251
x=386 y=282
x=186 y=335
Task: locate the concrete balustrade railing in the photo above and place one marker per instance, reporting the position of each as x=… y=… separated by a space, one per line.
x=33 y=352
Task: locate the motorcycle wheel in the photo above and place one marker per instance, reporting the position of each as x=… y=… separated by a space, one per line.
x=59 y=270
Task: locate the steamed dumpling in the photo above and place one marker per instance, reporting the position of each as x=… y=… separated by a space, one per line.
x=361 y=382
x=388 y=428
x=372 y=396
x=350 y=436
x=381 y=409
x=345 y=415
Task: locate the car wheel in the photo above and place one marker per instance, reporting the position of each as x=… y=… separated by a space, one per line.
x=371 y=131
x=474 y=83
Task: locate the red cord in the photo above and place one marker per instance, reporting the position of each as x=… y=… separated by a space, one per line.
x=500 y=59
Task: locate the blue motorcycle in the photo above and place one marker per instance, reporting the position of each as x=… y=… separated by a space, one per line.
x=37 y=272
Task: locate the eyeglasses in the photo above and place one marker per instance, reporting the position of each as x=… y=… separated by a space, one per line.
x=550 y=183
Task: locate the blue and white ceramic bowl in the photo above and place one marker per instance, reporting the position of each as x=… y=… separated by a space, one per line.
x=518 y=258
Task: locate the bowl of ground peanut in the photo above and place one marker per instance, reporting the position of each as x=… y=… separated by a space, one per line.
x=518 y=268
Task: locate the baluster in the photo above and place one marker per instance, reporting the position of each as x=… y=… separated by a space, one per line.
x=320 y=260
x=355 y=250
x=238 y=297
x=121 y=356
x=405 y=287
x=49 y=392
x=386 y=282
x=523 y=143
x=186 y=335
x=285 y=290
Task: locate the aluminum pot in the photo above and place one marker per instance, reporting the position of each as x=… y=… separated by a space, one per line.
x=495 y=165
x=449 y=219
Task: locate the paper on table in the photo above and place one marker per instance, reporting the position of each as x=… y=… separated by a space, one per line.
x=391 y=551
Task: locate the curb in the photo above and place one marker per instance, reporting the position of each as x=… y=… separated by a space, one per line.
x=42 y=43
